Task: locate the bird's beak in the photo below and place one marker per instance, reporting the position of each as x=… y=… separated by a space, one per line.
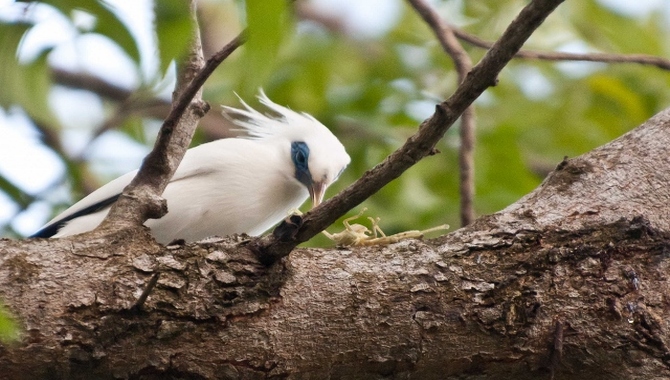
x=316 y=192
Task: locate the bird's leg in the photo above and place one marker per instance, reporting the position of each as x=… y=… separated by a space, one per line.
x=288 y=228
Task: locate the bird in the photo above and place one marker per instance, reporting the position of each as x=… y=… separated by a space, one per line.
x=245 y=184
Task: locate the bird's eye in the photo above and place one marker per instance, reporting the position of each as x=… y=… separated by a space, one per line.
x=300 y=158
x=300 y=155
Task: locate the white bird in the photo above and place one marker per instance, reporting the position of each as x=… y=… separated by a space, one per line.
x=235 y=185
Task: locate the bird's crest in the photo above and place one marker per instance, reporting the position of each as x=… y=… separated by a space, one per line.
x=260 y=126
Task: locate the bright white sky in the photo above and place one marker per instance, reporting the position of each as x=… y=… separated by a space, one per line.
x=27 y=164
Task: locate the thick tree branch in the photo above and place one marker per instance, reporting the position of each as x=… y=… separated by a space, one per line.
x=483 y=75
x=463 y=64
x=571 y=280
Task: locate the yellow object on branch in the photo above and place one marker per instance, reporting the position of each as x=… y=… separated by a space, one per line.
x=359 y=235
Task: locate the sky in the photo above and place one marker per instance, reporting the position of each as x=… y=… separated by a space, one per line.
x=27 y=164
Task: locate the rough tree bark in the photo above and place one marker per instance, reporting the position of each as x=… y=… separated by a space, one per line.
x=568 y=282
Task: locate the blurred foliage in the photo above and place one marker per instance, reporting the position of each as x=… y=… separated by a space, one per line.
x=267 y=27
x=9 y=329
x=373 y=91
x=173 y=30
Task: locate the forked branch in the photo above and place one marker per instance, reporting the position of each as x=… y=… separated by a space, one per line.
x=421 y=144
x=141 y=199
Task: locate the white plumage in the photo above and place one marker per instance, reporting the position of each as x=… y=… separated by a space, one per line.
x=237 y=185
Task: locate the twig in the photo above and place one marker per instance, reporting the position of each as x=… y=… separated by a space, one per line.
x=333 y=24
x=82 y=182
x=643 y=59
x=421 y=144
x=307 y=11
x=124 y=110
x=141 y=199
x=179 y=106
x=214 y=125
x=145 y=293
x=556 y=351
x=89 y=82
x=189 y=93
x=463 y=63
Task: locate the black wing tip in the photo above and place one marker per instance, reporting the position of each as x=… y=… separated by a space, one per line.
x=47 y=231
x=53 y=228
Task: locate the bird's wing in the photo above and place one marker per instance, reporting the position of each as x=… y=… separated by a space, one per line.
x=92 y=203
x=106 y=195
x=57 y=223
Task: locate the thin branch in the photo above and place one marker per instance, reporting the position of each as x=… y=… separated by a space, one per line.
x=446 y=36
x=271 y=248
x=334 y=25
x=307 y=11
x=643 y=59
x=453 y=48
x=89 y=82
x=124 y=110
x=198 y=81
x=83 y=182
x=214 y=125
x=141 y=198
x=145 y=293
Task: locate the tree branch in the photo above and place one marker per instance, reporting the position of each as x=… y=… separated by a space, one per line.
x=141 y=198
x=270 y=248
x=463 y=64
x=333 y=24
x=571 y=280
x=642 y=59
x=173 y=140
x=202 y=72
x=214 y=125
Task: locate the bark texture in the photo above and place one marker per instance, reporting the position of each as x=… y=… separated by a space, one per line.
x=569 y=282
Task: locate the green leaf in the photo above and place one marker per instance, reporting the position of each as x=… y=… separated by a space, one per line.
x=605 y=28
x=35 y=84
x=173 y=30
x=26 y=85
x=19 y=196
x=10 y=38
x=266 y=28
x=9 y=329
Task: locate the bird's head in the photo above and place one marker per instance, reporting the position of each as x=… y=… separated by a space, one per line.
x=316 y=155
